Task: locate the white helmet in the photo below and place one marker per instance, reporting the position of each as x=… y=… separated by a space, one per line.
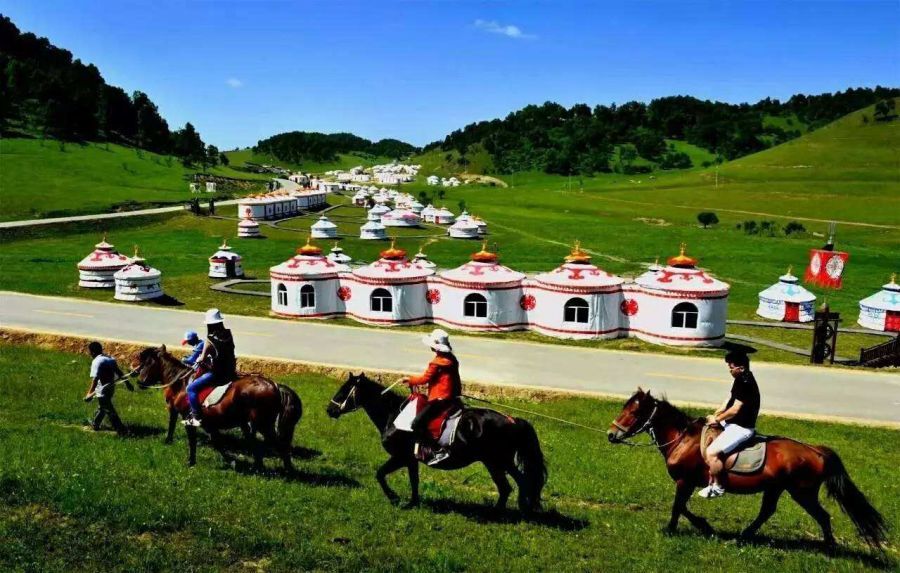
x=438 y=340
x=213 y=316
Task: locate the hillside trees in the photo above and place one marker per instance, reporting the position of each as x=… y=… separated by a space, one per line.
x=300 y=146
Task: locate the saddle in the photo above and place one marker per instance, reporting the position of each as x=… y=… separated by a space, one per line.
x=442 y=427
x=212 y=396
x=750 y=456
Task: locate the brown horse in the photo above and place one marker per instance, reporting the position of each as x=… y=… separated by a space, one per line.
x=791 y=466
x=253 y=403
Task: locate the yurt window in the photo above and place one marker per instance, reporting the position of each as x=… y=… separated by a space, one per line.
x=684 y=315
x=576 y=310
x=307 y=296
x=475 y=305
x=382 y=301
x=282 y=295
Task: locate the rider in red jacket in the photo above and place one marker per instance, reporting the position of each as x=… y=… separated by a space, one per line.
x=444 y=389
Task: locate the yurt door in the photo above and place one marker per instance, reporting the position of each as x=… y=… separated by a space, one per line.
x=229 y=268
x=791 y=312
x=892 y=321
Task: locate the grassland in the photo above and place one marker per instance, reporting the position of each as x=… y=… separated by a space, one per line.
x=342 y=161
x=73 y=500
x=44 y=178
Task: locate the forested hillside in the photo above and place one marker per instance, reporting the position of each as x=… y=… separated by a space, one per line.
x=302 y=146
x=45 y=92
x=585 y=140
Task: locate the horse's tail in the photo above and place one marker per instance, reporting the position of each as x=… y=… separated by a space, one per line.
x=291 y=411
x=869 y=523
x=530 y=460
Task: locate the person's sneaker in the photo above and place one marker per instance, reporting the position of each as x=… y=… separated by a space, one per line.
x=438 y=457
x=422 y=452
x=192 y=420
x=711 y=491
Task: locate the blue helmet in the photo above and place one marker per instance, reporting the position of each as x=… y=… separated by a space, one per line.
x=190 y=337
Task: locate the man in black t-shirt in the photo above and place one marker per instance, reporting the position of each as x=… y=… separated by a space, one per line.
x=738 y=418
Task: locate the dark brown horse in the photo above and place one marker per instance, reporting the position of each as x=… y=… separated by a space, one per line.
x=791 y=466
x=506 y=446
x=253 y=403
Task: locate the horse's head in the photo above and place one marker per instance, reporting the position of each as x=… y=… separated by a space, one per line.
x=350 y=396
x=148 y=365
x=634 y=418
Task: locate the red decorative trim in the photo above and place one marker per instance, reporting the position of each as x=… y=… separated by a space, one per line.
x=527 y=302
x=539 y=285
x=344 y=293
x=665 y=337
x=433 y=296
x=677 y=294
x=382 y=282
x=295 y=279
x=629 y=307
x=569 y=331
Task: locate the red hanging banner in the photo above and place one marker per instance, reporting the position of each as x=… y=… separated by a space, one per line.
x=826 y=268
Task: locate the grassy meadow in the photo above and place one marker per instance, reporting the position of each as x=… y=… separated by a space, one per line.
x=75 y=500
x=44 y=178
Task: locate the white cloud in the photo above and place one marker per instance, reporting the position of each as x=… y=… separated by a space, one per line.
x=234 y=83
x=507 y=30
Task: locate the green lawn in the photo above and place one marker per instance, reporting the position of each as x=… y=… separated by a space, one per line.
x=43 y=178
x=74 y=500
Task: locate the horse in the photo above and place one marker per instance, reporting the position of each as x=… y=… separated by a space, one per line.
x=503 y=444
x=792 y=466
x=253 y=403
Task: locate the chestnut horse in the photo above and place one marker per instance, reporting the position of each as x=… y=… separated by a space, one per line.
x=791 y=466
x=253 y=403
x=504 y=445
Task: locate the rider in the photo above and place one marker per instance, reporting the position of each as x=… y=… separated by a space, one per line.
x=219 y=349
x=738 y=418
x=444 y=390
x=197 y=344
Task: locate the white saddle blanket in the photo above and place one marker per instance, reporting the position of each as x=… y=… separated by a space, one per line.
x=404 y=420
x=216 y=395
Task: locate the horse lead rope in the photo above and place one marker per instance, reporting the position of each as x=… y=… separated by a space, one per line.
x=524 y=411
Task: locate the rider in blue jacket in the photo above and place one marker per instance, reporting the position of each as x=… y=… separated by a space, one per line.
x=197 y=344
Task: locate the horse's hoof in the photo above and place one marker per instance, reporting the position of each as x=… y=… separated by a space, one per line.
x=411 y=504
x=394 y=500
x=168 y=441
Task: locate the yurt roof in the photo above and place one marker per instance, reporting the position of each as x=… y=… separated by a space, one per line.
x=104 y=256
x=465 y=224
x=248 y=223
x=380 y=209
x=578 y=272
x=787 y=289
x=682 y=275
x=323 y=223
x=308 y=263
x=402 y=214
x=888 y=298
x=225 y=253
x=393 y=266
x=483 y=270
x=137 y=268
x=372 y=226
x=444 y=212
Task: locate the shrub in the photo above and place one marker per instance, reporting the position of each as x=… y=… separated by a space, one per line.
x=768 y=228
x=751 y=228
x=707 y=218
x=794 y=227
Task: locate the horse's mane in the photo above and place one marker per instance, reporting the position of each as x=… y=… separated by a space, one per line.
x=680 y=418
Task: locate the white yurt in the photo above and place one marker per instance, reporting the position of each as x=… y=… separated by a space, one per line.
x=422 y=259
x=463 y=229
x=881 y=311
x=416 y=207
x=427 y=213
x=138 y=280
x=376 y=212
x=464 y=216
x=576 y=300
x=97 y=270
x=307 y=285
x=337 y=255
x=391 y=291
x=480 y=295
x=482 y=225
x=225 y=263
x=787 y=301
x=323 y=229
x=400 y=218
x=443 y=216
x=372 y=231
x=678 y=305
x=360 y=198
x=248 y=229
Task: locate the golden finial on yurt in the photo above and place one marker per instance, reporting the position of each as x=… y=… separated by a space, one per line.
x=893 y=278
x=309 y=249
x=682 y=260
x=578 y=255
x=790 y=268
x=484 y=255
x=137 y=253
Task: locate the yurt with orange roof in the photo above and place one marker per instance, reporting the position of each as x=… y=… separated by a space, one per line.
x=391 y=291
x=307 y=285
x=881 y=311
x=678 y=304
x=98 y=269
x=787 y=301
x=575 y=300
x=482 y=294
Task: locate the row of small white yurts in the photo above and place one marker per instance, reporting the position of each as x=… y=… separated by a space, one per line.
x=387 y=174
x=789 y=301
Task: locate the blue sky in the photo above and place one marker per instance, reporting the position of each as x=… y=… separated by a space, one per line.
x=241 y=71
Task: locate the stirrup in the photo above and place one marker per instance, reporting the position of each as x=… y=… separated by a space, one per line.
x=437 y=457
x=192 y=420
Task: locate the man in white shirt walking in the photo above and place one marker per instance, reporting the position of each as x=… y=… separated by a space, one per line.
x=104 y=374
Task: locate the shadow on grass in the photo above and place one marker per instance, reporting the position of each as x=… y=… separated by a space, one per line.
x=324 y=478
x=235 y=444
x=489 y=514
x=872 y=558
x=140 y=431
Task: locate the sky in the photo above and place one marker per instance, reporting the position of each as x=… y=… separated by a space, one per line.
x=241 y=71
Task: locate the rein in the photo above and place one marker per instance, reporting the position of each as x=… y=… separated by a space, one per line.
x=161 y=386
x=647 y=427
x=532 y=413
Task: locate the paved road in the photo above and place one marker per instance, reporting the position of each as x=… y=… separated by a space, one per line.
x=872 y=397
x=99 y=216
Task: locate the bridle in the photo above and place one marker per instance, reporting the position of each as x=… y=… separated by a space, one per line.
x=646 y=427
x=342 y=406
x=140 y=370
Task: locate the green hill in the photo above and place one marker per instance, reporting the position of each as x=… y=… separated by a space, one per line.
x=244 y=157
x=48 y=178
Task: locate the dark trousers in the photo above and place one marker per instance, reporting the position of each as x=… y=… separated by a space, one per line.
x=105 y=409
x=431 y=411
